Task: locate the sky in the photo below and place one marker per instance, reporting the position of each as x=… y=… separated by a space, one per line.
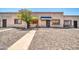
x=67 y=11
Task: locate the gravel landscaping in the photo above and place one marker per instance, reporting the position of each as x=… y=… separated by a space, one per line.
x=7 y=38
x=55 y=39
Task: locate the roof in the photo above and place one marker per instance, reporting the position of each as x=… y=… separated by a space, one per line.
x=32 y=12
x=8 y=12
x=47 y=12
x=42 y=13
x=71 y=15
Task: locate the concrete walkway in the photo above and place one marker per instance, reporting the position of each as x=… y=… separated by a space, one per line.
x=5 y=29
x=24 y=42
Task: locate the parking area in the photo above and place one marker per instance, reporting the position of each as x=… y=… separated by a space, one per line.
x=55 y=39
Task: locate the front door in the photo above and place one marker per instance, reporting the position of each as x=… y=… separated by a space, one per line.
x=47 y=23
x=4 y=22
x=75 y=24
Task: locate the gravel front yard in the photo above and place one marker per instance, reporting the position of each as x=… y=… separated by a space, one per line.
x=7 y=38
x=3 y=28
x=55 y=39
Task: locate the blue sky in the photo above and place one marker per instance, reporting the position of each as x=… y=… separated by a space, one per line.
x=67 y=11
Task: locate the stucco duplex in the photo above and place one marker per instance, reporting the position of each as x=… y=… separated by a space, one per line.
x=45 y=19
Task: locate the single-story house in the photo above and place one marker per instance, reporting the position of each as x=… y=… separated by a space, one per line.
x=45 y=19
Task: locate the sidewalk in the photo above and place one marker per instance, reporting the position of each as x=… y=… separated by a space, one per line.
x=24 y=42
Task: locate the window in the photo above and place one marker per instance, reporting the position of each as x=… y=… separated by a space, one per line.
x=35 y=21
x=16 y=21
x=67 y=23
x=55 y=21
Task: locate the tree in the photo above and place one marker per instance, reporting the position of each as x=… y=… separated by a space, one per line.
x=25 y=15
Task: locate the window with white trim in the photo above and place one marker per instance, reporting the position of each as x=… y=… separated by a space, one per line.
x=56 y=22
x=17 y=21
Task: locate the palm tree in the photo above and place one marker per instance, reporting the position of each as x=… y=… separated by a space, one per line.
x=25 y=15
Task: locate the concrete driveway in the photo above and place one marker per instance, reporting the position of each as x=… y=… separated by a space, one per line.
x=55 y=39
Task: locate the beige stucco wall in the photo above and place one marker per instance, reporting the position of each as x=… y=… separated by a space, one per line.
x=43 y=23
x=73 y=18
x=54 y=15
x=10 y=20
